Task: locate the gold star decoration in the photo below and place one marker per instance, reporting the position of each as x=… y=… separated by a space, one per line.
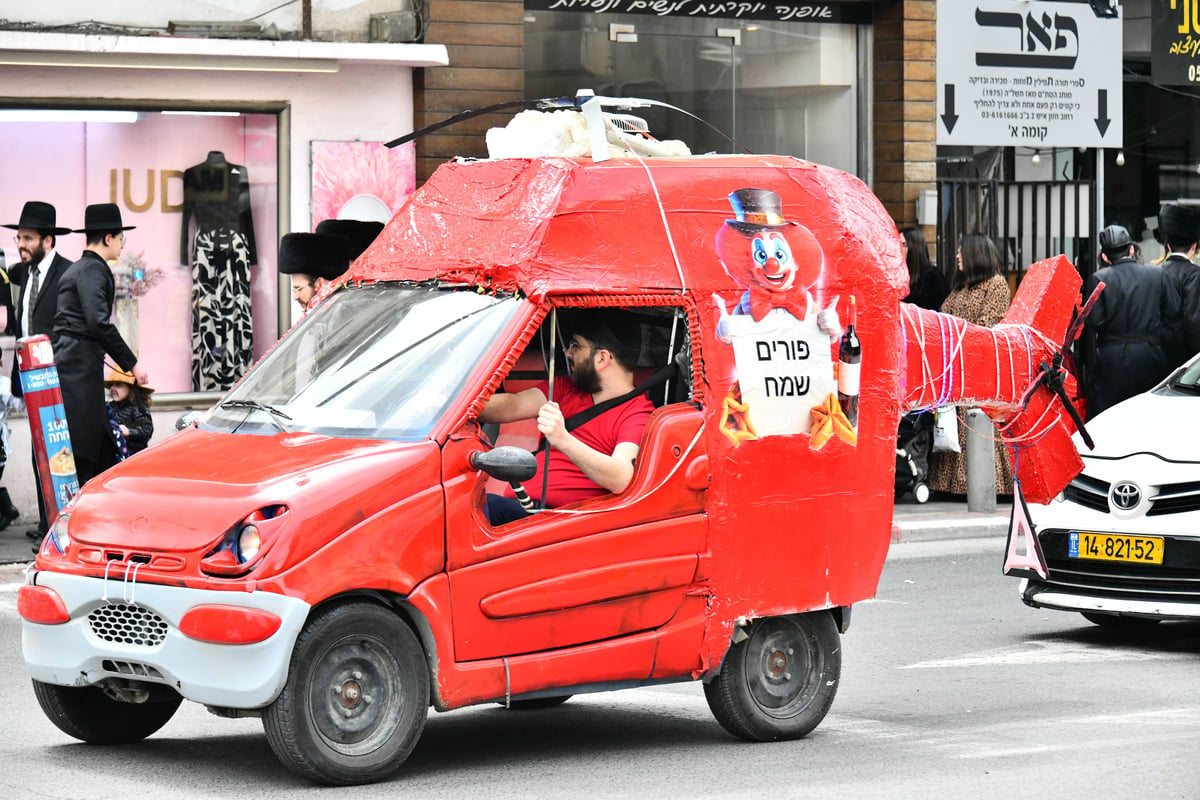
x=828 y=420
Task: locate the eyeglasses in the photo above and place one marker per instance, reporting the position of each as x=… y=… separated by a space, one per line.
x=26 y=239
x=301 y=287
x=574 y=346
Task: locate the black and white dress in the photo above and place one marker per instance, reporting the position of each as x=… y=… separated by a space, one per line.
x=216 y=196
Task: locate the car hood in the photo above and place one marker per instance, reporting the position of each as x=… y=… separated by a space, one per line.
x=1162 y=423
x=184 y=493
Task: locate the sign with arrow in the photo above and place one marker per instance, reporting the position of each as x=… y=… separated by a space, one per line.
x=1037 y=73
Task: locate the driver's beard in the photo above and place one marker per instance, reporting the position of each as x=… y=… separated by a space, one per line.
x=585 y=377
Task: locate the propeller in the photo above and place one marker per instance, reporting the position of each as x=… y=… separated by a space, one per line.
x=575 y=103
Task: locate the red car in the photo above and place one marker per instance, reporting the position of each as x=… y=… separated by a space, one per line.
x=315 y=550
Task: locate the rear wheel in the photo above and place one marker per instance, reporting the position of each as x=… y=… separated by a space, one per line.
x=355 y=700
x=1113 y=622
x=88 y=714
x=921 y=493
x=780 y=681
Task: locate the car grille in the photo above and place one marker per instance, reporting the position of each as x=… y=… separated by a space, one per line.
x=131 y=668
x=128 y=624
x=1088 y=492
x=1176 y=580
x=1172 y=498
x=1175 y=498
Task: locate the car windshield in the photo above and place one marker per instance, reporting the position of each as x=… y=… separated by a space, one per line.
x=1187 y=379
x=381 y=361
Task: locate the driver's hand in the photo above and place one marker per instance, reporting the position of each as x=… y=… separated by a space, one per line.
x=551 y=424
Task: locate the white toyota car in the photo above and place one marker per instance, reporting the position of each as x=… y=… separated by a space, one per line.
x=1122 y=542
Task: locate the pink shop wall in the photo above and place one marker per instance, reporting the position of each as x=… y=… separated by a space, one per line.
x=140 y=166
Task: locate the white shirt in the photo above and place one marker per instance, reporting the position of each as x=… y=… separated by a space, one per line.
x=26 y=312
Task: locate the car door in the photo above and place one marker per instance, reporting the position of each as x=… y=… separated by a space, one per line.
x=607 y=567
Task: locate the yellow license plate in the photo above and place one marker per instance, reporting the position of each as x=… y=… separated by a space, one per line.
x=1116 y=547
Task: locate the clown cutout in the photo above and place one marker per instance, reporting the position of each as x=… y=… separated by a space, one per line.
x=781 y=339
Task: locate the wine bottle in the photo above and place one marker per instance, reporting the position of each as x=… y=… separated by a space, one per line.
x=849 y=363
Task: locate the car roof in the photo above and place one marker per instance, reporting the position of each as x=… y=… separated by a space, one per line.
x=567 y=226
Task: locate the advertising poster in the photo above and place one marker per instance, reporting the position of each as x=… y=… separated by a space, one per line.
x=361 y=180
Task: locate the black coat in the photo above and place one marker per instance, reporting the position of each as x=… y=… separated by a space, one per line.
x=1131 y=321
x=44 y=307
x=1184 y=340
x=930 y=291
x=137 y=419
x=82 y=335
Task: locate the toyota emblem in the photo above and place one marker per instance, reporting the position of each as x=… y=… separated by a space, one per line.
x=1125 y=496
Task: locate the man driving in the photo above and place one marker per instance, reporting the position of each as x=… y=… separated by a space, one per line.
x=597 y=457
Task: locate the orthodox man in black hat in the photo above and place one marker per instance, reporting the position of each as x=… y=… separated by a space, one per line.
x=38 y=274
x=1180 y=226
x=1138 y=306
x=82 y=336
x=312 y=259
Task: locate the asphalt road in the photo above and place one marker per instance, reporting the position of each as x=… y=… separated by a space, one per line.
x=951 y=688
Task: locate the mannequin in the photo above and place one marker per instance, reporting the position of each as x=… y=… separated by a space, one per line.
x=220 y=249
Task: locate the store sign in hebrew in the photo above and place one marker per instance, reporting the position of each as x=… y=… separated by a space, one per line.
x=1175 y=42
x=852 y=13
x=1032 y=74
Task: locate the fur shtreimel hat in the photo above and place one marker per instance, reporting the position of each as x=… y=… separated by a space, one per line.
x=358 y=232
x=320 y=255
x=1179 y=222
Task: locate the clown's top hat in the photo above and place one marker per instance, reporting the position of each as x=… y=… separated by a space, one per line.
x=756 y=209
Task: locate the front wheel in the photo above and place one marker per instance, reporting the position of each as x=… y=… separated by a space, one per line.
x=779 y=682
x=355 y=700
x=90 y=715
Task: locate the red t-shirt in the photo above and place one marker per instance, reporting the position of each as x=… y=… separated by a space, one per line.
x=624 y=423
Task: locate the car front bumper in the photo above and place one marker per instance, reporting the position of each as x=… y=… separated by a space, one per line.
x=1041 y=595
x=131 y=631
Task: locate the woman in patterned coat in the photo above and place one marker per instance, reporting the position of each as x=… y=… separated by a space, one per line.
x=980 y=296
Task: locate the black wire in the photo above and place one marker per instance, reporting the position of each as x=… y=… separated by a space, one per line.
x=269 y=10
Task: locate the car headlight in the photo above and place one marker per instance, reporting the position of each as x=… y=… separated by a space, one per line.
x=248 y=543
x=59 y=535
x=244 y=542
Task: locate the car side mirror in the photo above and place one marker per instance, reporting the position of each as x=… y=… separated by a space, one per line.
x=509 y=464
x=188 y=420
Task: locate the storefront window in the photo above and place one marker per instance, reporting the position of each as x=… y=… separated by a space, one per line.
x=786 y=88
x=197 y=286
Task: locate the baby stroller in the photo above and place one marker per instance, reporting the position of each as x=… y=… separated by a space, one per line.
x=914 y=443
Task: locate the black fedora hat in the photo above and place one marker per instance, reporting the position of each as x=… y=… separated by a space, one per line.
x=102 y=218
x=39 y=216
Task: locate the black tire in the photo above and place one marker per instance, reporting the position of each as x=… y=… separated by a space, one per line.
x=1114 y=623
x=536 y=703
x=88 y=714
x=355 y=699
x=780 y=681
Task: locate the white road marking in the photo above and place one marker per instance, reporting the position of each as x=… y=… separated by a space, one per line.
x=1049 y=651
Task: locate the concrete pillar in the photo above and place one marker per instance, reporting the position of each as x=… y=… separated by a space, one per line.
x=981 y=462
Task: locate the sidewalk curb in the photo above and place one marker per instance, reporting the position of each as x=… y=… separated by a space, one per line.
x=930 y=530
